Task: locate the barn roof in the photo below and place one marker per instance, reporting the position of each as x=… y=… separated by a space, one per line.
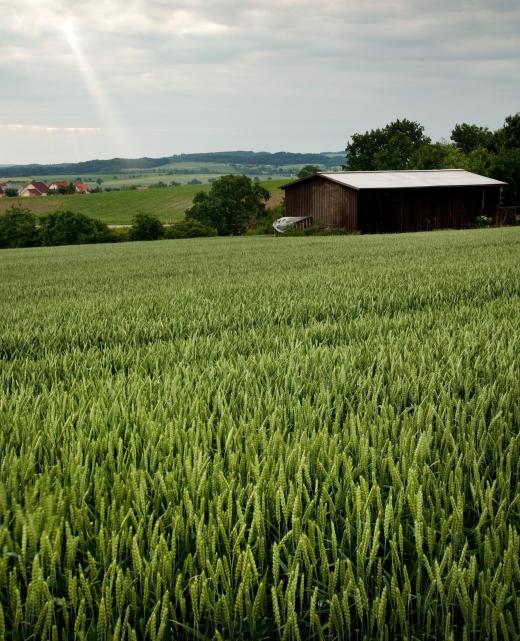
x=407 y=178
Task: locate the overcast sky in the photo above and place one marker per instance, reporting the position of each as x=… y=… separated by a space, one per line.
x=82 y=80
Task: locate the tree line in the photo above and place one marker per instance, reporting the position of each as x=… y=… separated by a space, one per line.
x=234 y=205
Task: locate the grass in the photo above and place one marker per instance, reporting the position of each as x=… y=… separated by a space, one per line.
x=262 y=438
x=168 y=204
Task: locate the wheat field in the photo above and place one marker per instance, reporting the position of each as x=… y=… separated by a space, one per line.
x=260 y=438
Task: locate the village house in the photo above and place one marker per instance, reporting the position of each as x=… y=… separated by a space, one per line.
x=81 y=188
x=59 y=184
x=34 y=188
x=78 y=186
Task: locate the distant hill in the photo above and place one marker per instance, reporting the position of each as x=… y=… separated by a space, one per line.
x=280 y=158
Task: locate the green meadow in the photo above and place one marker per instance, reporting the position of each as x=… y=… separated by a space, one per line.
x=261 y=438
x=118 y=207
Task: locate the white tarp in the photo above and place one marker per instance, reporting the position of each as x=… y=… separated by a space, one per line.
x=281 y=225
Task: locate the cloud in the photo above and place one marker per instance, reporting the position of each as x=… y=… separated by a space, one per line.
x=51 y=129
x=293 y=74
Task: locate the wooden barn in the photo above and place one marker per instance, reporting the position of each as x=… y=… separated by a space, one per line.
x=393 y=201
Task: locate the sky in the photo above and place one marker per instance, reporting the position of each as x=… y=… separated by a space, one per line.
x=82 y=80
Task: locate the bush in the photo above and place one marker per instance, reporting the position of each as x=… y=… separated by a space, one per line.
x=266 y=226
x=189 y=229
x=483 y=221
x=18 y=228
x=69 y=228
x=119 y=235
x=145 y=227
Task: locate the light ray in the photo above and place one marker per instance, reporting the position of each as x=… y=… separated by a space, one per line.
x=111 y=122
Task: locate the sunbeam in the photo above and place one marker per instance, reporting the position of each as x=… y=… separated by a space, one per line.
x=110 y=121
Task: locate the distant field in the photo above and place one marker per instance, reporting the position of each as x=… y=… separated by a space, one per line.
x=166 y=173
x=118 y=208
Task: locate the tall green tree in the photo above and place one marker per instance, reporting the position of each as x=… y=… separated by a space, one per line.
x=438 y=155
x=233 y=204
x=509 y=135
x=467 y=138
x=392 y=147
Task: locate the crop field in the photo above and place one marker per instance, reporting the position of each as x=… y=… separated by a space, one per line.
x=262 y=438
x=118 y=207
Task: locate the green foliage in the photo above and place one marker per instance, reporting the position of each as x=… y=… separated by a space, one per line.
x=308 y=170
x=233 y=204
x=438 y=156
x=119 y=207
x=189 y=229
x=265 y=226
x=67 y=190
x=256 y=438
x=483 y=221
x=69 y=228
x=507 y=168
x=509 y=135
x=18 y=228
x=11 y=193
x=145 y=227
x=392 y=147
x=468 y=137
x=480 y=161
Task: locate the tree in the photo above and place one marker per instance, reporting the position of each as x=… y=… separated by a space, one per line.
x=145 y=227
x=69 y=228
x=392 y=147
x=233 y=204
x=438 y=155
x=308 y=170
x=507 y=168
x=18 y=228
x=470 y=137
x=69 y=189
x=99 y=182
x=480 y=161
x=509 y=135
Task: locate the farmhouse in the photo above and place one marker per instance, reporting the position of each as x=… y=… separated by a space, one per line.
x=81 y=188
x=393 y=201
x=55 y=186
x=34 y=189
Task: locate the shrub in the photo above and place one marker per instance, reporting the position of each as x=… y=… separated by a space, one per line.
x=483 y=221
x=18 y=228
x=145 y=227
x=119 y=235
x=265 y=226
x=69 y=228
x=189 y=229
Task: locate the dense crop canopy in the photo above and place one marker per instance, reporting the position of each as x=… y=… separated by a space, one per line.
x=249 y=438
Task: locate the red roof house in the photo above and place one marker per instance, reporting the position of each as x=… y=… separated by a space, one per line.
x=35 y=188
x=81 y=188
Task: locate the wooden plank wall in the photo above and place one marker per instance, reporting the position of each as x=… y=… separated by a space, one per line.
x=327 y=202
x=424 y=209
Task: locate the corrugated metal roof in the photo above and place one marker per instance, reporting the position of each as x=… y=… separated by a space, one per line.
x=409 y=178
